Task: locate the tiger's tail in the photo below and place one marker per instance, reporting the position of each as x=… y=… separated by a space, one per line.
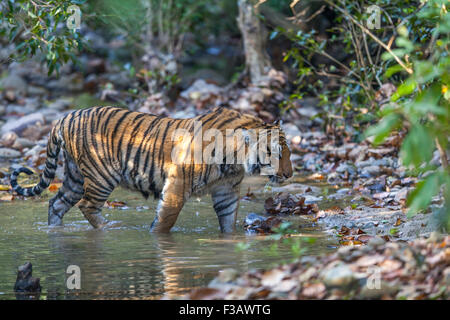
x=51 y=163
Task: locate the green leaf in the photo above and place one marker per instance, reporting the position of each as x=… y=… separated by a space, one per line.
x=427 y=102
x=405 y=43
x=392 y=70
x=393 y=231
x=382 y=130
x=425 y=71
x=418 y=146
x=404 y=89
x=421 y=196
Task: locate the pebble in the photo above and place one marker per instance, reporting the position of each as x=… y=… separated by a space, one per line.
x=9 y=153
x=60 y=104
x=376 y=290
x=14 y=82
x=376 y=242
x=338 y=276
x=18 y=125
x=371 y=171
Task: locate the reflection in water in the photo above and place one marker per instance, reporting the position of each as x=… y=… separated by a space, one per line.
x=129 y=261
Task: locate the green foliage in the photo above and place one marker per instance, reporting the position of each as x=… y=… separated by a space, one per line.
x=343 y=65
x=40 y=26
x=422 y=103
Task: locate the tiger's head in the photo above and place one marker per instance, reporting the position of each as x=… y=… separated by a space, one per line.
x=269 y=153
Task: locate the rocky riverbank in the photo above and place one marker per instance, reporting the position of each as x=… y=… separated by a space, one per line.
x=380 y=270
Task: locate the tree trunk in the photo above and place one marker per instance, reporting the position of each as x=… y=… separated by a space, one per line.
x=257 y=62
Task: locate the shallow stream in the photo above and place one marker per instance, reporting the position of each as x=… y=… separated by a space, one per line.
x=127 y=261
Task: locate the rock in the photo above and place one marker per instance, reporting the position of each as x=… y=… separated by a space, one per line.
x=376 y=242
x=369 y=225
x=243 y=104
x=296 y=157
x=379 y=152
x=377 y=290
x=8 y=139
x=19 y=109
x=257 y=97
x=9 y=153
x=272 y=277
x=22 y=123
x=381 y=195
x=291 y=131
x=344 y=167
x=25 y=283
x=285 y=285
x=184 y=114
x=21 y=143
x=253 y=218
x=36 y=91
x=60 y=104
x=344 y=251
x=51 y=115
x=333 y=178
x=307 y=112
x=401 y=195
x=310 y=199
x=227 y=275
x=120 y=79
x=70 y=82
x=338 y=276
x=446 y=274
x=14 y=82
x=435 y=237
x=384 y=93
x=296 y=188
x=344 y=191
x=371 y=171
x=358 y=153
x=200 y=89
x=207 y=74
x=10 y=95
x=32 y=104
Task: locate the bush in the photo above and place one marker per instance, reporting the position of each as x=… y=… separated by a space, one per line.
x=40 y=26
x=422 y=104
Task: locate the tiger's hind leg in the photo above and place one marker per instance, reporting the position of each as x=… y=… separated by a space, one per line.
x=92 y=202
x=68 y=195
x=226 y=203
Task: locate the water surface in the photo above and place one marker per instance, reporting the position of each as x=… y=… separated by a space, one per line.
x=127 y=261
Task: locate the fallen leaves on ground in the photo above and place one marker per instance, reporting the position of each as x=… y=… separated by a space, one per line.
x=285 y=203
x=116 y=204
x=249 y=196
x=262 y=225
x=54 y=187
x=381 y=270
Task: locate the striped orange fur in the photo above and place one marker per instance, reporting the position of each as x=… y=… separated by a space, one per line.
x=104 y=147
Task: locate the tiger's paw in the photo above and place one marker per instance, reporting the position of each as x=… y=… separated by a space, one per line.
x=54 y=221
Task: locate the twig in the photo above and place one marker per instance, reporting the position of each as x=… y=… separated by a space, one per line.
x=375 y=38
x=370 y=60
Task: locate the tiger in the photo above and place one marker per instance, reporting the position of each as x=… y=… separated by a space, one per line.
x=106 y=147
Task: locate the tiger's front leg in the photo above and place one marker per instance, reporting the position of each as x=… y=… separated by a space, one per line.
x=169 y=206
x=226 y=205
